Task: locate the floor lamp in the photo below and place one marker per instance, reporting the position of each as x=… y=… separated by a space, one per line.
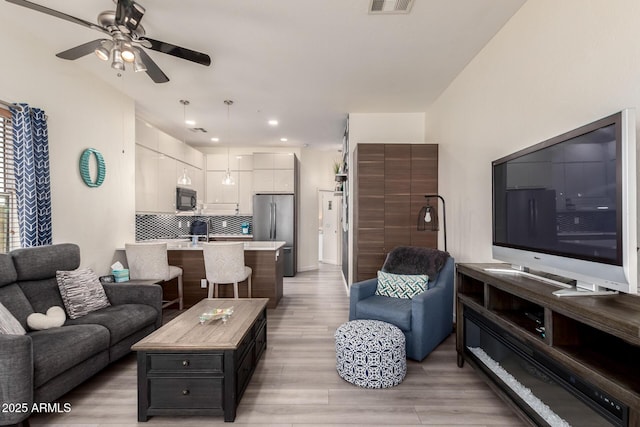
x=428 y=217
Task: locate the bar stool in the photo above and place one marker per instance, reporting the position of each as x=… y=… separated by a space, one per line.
x=149 y=261
x=224 y=264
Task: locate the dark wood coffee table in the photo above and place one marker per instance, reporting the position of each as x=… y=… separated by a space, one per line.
x=188 y=368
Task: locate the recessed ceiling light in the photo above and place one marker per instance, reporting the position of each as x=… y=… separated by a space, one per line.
x=215 y=139
x=273 y=122
x=283 y=139
x=190 y=122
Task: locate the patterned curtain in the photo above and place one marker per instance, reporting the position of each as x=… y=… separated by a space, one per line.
x=31 y=161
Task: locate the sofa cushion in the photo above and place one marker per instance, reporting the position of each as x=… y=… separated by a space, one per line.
x=9 y=324
x=401 y=285
x=53 y=318
x=12 y=297
x=81 y=292
x=42 y=294
x=396 y=311
x=58 y=349
x=42 y=262
x=121 y=320
x=7 y=271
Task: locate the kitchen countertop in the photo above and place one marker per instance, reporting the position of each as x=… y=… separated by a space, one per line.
x=186 y=245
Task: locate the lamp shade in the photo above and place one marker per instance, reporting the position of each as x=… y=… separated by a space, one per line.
x=184 y=179
x=228 y=179
x=138 y=65
x=116 y=58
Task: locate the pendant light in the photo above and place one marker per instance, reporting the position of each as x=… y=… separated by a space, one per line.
x=184 y=179
x=228 y=179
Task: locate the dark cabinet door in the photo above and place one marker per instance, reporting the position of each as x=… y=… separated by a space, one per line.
x=369 y=211
x=391 y=182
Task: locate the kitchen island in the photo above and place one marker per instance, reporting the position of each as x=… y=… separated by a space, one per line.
x=264 y=258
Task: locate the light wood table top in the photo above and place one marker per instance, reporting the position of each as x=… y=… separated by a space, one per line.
x=186 y=333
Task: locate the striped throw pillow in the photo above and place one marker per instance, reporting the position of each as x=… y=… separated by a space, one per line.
x=9 y=324
x=81 y=292
x=401 y=285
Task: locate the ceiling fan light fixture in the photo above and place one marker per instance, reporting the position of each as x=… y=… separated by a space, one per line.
x=104 y=51
x=116 y=58
x=138 y=65
x=127 y=53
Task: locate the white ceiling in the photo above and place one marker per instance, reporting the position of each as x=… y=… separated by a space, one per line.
x=306 y=63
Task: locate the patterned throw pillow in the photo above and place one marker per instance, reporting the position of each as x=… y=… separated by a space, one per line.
x=401 y=285
x=81 y=292
x=9 y=324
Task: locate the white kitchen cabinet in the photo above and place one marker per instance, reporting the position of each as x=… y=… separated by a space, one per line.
x=146 y=179
x=160 y=160
x=146 y=135
x=166 y=188
x=283 y=180
x=218 y=192
x=242 y=162
x=170 y=146
x=216 y=162
x=262 y=161
x=262 y=180
x=274 y=172
x=194 y=157
x=234 y=162
x=273 y=161
x=155 y=181
x=245 y=192
x=283 y=160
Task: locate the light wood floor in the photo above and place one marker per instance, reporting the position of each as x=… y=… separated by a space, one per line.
x=296 y=383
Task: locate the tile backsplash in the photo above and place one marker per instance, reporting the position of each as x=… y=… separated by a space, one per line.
x=167 y=226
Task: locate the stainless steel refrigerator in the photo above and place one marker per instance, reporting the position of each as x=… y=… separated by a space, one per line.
x=274 y=218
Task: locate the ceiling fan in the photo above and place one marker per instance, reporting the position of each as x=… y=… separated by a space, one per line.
x=126 y=36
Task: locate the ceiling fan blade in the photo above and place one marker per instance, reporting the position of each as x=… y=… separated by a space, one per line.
x=153 y=70
x=58 y=14
x=128 y=15
x=177 y=51
x=80 y=51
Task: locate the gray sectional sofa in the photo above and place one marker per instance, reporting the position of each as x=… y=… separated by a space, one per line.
x=42 y=366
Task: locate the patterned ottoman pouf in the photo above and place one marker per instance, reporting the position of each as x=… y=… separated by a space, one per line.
x=370 y=353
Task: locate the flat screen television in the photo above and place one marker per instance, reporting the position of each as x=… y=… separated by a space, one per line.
x=567 y=206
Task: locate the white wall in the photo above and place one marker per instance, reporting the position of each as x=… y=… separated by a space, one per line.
x=553 y=67
x=83 y=112
x=384 y=128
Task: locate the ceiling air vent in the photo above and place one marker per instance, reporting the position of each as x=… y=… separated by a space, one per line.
x=203 y=130
x=390 y=6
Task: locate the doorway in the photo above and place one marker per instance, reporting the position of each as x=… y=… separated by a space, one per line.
x=329 y=231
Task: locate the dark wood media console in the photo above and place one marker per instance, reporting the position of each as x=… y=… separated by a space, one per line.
x=595 y=338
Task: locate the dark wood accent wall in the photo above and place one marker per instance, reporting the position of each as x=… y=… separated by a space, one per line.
x=390 y=183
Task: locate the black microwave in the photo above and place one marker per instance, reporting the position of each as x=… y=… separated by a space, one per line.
x=186 y=199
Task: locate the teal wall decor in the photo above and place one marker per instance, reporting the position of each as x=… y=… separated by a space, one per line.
x=84 y=167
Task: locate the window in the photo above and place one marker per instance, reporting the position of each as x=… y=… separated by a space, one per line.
x=9 y=237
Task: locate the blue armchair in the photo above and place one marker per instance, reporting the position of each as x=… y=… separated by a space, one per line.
x=426 y=319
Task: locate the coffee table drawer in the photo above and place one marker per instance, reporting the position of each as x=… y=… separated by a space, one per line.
x=185 y=393
x=213 y=363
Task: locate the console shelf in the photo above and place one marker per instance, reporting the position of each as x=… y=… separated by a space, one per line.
x=595 y=338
